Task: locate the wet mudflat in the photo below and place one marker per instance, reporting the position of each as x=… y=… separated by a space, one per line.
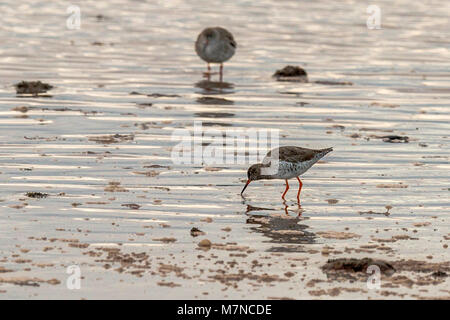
x=87 y=179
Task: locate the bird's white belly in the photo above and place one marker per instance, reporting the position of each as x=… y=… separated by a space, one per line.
x=288 y=170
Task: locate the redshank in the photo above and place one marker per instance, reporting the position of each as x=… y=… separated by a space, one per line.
x=292 y=162
x=215 y=45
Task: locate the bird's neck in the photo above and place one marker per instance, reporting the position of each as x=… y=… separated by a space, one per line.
x=266 y=173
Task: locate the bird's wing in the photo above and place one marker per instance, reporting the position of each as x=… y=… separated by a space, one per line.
x=231 y=40
x=228 y=36
x=290 y=154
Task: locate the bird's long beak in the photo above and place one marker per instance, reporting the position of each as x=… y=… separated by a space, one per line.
x=245 y=187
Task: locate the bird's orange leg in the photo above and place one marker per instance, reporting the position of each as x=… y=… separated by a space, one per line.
x=300 y=185
x=207 y=74
x=286 y=208
x=285 y=191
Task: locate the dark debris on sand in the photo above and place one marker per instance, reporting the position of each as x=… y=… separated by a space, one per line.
x=334 y=83
x=439 y=274
x=133 y=206
x=32 y=87
x=159 y=95
x=395 y=139
x=291 y=73
x=115 y=138
x=195 y=232
x=37 y=195
x=356 y=265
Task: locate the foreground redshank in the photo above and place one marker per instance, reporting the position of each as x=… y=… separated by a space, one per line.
x=292 y=162
x=215 y=45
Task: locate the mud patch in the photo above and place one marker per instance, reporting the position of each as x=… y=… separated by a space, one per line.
x=114 y=186
x=399 y=185
x=26 y=281
x=165 y=240
x=214 y=114
x=334 y=83
x=357 y=265
x=113 y=138
x=337 y=235
x=232 y=278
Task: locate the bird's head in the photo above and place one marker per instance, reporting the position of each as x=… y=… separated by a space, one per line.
x=208 y=35
x=253 y=173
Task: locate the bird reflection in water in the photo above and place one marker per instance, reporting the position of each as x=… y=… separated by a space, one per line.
x=215 y=87
x=298 y=208
x=284 y=230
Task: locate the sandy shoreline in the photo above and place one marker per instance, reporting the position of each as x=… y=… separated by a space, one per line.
x=87 y=178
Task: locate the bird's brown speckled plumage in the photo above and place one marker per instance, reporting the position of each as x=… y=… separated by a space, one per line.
x=285 y=163
x=297 y=154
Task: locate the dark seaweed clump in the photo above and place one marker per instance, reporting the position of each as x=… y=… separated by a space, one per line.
x=196 y=232
x=32 y=87
x=291 y=73
x=395 y=139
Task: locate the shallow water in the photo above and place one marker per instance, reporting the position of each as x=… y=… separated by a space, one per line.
x=401 y=86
